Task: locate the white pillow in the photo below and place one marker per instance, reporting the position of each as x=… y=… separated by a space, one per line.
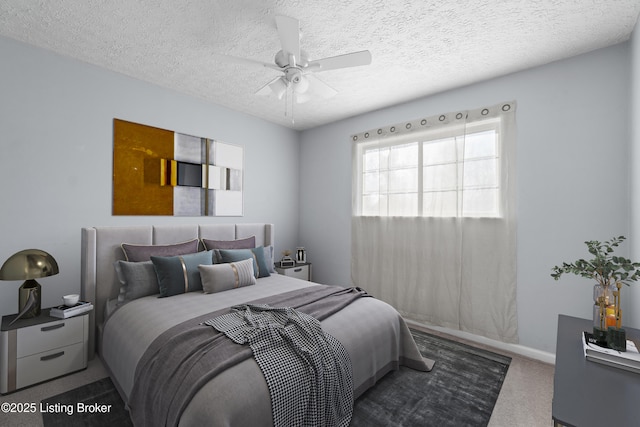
x=222 y=277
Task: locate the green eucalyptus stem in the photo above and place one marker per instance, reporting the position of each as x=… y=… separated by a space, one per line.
x=605 y=268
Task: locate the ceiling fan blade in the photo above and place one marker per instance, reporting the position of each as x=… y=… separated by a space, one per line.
x=353 y=59
x=289 y=33
x=277 y=86
x=318 y=89
x=237 y=60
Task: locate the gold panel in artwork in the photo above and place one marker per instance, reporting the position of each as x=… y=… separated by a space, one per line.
x=138 y=169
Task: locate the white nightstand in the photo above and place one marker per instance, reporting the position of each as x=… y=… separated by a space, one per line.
x=299 y=271
x=41 y=348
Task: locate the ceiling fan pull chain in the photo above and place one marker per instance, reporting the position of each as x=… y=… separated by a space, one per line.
x=286 y=103
x=289 y=99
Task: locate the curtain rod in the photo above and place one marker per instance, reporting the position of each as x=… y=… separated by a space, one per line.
x=434 y=121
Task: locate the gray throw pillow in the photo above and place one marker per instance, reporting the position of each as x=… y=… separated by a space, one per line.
x=222 y=277
x=138 y=280
x=268 y=258
x=260 y=265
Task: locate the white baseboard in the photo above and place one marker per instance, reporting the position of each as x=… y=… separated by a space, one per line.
x=518 y=349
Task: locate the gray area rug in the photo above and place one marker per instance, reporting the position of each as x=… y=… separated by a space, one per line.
x=101 y=392
x=461 y=390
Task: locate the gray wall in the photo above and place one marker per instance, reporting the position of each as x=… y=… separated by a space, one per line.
x=572 y=173
x=632 y=312
x=56 y=135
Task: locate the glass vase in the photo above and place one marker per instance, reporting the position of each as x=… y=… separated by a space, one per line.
x=603 y=312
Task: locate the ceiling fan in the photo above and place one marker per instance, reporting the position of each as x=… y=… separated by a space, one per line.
x=297 y=70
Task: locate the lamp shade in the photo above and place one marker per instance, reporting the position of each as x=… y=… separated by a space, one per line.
x=28 y=264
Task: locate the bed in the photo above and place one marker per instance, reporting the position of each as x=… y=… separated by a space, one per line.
x=373 y=334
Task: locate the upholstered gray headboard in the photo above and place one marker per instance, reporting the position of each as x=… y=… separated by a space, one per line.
x=101 y=248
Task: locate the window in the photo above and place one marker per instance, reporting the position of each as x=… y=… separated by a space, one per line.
x=454 y=171
x=429 y=197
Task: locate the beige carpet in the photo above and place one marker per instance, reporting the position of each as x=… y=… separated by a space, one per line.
x=525 y=398
x=526 y=394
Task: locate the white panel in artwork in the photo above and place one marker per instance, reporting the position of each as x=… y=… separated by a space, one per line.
x=217 y=178
x=229 y=156
x=228 y=203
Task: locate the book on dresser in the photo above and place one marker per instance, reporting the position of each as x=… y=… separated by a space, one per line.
x=628 y=360
x=63 y=311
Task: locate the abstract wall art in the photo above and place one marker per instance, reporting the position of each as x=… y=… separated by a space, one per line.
x=161 y=172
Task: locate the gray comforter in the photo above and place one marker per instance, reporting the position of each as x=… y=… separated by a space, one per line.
x=184 y=358
x=374 y=335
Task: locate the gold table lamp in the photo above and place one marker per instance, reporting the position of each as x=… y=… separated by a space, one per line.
x=28 y=265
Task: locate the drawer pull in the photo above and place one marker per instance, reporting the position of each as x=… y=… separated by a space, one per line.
x=51 y=328
x=298 y=270
x=52 y=356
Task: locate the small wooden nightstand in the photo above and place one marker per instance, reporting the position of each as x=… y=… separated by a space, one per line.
x=41 y=348
x=299 y=271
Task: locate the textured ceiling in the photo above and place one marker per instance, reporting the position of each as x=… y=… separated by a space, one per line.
x=419 y=47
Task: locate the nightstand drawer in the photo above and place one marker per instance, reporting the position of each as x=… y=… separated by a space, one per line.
x=301 y=272
x=47 y=336
x=297 y=271
x=49 y=364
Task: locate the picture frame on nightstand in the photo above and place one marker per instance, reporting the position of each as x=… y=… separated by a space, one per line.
x=301 y=255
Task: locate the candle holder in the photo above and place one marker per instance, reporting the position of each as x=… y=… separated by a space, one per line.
x=602 y=297
x=616 y=336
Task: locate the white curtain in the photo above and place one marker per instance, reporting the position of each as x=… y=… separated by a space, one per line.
x=434 y=233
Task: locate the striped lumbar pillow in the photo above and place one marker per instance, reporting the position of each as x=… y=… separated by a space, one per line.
x=222 y=277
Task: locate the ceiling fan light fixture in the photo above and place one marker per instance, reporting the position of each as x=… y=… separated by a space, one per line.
x=301 y=84
x=296 y=68
x=279 y=87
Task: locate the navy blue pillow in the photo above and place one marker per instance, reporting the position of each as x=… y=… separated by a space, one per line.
x=180 y=274
x=260 y=266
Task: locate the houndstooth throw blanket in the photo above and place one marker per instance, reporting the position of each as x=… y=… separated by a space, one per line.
x=308 y=372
